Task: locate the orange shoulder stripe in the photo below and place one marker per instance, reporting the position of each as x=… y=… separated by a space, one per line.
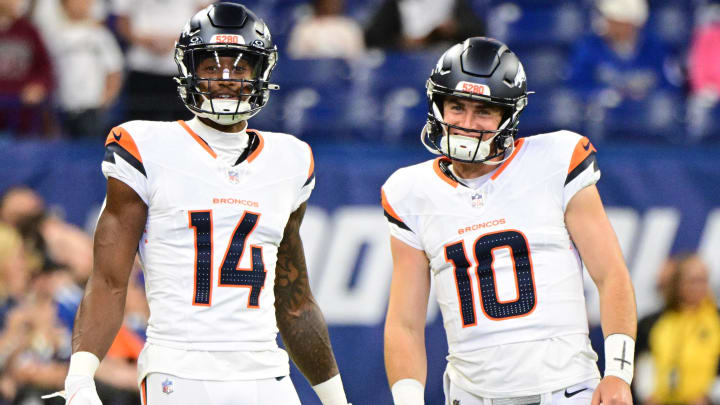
x=311 y=170
x=582 y=150
x=197 y=138
x=122 y=137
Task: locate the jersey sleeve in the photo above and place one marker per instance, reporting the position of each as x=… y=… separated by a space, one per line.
x=309 y=184
x=123 y=161
x=398 y=226
x=582 y=170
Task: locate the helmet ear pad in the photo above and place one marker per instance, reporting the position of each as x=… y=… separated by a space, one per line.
x=505 y=138
x=503 y=141
x=435 y=128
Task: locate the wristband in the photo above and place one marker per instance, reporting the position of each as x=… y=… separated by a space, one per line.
x=331 y=392
x=408 y=391
x=620 y=356
x=83 y=363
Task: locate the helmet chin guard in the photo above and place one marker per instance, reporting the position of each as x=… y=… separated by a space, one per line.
x=229 y=112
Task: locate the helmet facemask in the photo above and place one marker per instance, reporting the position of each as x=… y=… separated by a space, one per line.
x=437 y=135
x=225 y=83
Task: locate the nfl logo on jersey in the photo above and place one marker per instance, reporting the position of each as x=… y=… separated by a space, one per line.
x=233 y=176
x=167 y=387
x=477 y=200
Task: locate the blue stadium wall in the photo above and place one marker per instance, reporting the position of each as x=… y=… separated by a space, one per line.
x=661 y=200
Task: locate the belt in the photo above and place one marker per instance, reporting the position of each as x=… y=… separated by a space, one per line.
x=527 y=400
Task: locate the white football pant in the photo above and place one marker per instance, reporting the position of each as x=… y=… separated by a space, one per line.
x=578 y=394
x=166 y=389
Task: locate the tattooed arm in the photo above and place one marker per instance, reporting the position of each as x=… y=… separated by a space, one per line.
x=299 y=318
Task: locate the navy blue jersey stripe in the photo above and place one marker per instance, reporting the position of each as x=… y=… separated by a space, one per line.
x=253 y=144
x=589 y=160
x=310 y=179
x=397 y=222
x=115 y=148
x=109 y=156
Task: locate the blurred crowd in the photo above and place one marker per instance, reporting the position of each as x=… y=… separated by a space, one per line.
x=44 y=265
x=75 y=68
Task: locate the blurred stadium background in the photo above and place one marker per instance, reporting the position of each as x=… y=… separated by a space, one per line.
x=362 y=116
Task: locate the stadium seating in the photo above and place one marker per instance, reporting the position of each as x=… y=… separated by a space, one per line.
x=382 y=96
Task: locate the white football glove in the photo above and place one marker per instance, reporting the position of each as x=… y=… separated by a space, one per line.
x=79 y=390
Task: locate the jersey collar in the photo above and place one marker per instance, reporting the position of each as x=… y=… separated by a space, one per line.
x=256 y=144
x=443 y=171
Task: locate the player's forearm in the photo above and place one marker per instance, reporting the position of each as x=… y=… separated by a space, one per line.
x=618 y=312
x=99 y=316
x=299 y=318
x=306 y=338
x=405 y=355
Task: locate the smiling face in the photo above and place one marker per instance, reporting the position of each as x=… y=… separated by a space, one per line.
x=471 y=114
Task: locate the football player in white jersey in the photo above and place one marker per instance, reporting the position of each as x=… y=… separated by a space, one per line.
x=500 y=224
x=214 y=210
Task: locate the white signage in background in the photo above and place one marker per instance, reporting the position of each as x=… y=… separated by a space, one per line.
x=356 y=229
x=353 y=242
x=315 y=234
x=653 y=245
x=709 y=247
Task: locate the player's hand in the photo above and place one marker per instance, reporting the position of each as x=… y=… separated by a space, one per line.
x=79 y=390
x=612 y=391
